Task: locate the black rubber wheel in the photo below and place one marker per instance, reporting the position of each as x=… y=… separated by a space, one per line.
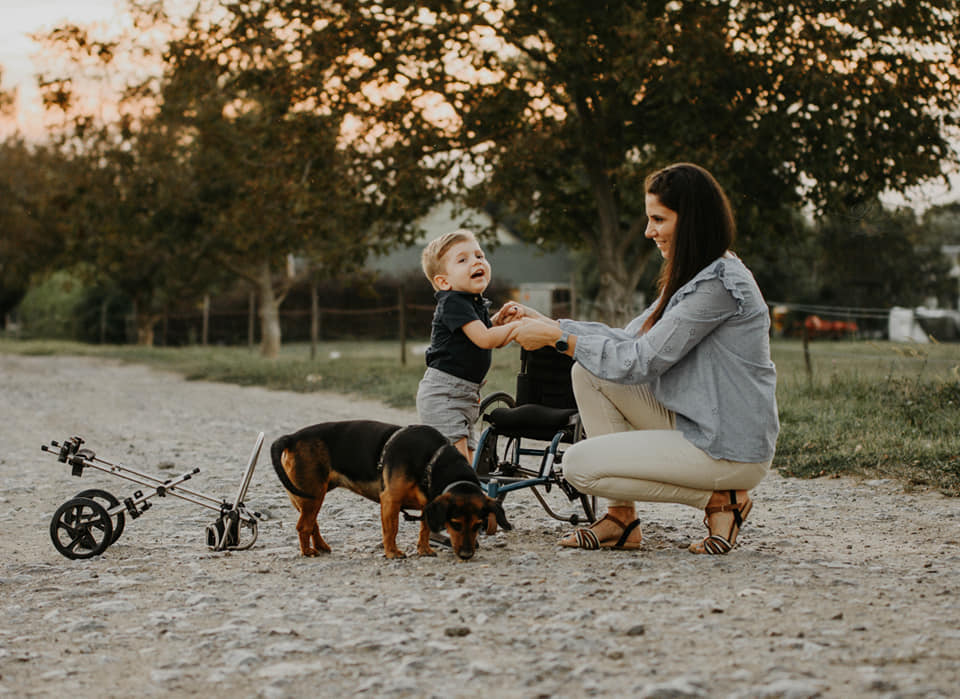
x=500 y=399
x=109 y=501
x=487 y=459
x=81 y=528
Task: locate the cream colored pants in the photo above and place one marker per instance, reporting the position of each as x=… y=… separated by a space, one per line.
x=633 y=451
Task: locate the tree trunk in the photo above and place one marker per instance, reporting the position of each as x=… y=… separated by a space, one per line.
x=269 y=315
x=146 y=322
x=615 y=297
x=620 y=269
x=619 y=261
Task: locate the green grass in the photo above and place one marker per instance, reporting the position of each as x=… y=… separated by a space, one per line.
x=876 y=410
x=868 y=409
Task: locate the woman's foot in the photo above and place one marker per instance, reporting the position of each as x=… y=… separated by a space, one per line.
x=725 y=514
x=618 y=529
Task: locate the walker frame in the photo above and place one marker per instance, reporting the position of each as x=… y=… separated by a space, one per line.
x=88 y=523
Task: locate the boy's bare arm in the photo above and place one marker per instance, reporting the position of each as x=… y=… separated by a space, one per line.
x=512 y=311
x=489 y=338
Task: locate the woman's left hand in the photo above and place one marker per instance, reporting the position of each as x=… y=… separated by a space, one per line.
x=533 y=334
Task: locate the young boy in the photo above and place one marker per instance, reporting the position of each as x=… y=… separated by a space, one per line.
x=461 y=339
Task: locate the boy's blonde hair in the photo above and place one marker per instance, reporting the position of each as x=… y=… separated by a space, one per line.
x=432 y=258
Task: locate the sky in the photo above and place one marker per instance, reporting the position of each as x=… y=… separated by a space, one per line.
x=18 y=19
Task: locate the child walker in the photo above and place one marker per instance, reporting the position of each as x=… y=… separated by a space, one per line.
x=86 y=524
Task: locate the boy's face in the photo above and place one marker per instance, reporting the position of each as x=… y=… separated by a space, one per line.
x=465 y=269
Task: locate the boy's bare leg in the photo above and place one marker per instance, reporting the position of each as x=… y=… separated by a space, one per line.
x=461 y=446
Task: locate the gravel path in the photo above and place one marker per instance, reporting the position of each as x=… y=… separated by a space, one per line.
x=838 y=588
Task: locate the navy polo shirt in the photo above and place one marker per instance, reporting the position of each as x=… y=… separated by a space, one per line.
x=450 y=350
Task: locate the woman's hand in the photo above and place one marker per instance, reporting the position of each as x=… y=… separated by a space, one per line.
x=532 y=334
x=512 y=310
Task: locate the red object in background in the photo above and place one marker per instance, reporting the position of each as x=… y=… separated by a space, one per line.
x=818 y=327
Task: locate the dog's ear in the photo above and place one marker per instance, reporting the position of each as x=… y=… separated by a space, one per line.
x=435 y=513
x=497 y=509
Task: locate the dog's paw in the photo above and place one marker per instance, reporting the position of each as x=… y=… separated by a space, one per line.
x=395 y=554
x=426 y=552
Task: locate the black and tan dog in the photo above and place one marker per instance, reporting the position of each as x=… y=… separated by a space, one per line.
x=412 y=467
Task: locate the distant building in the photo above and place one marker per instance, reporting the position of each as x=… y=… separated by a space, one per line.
x=541 y=279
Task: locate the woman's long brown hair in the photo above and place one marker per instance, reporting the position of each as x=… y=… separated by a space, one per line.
x=705 y=228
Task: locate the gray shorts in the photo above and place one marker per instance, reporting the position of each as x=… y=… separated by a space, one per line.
x=450 y=404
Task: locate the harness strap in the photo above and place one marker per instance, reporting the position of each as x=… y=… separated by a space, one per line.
x=428 y=471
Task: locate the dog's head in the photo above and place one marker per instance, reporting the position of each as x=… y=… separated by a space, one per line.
x=464 y=512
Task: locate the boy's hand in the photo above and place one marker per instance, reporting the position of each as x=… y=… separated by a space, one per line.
x=510 y=311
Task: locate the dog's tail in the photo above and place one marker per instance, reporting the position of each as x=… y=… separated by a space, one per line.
x=276 y=454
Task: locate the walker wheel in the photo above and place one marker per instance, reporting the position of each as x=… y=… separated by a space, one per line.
x=109 y=501
x=81 y=528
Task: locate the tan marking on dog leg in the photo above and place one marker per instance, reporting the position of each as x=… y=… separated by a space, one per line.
x=308 y=531
x=423 y=541
x=390 y=524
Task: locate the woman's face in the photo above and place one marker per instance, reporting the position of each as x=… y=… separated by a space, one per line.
x=661 y=225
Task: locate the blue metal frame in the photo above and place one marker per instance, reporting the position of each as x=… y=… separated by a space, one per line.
x=549 y=458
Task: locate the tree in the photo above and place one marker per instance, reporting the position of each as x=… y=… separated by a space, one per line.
x=232 y=156
x=876 y=258
x=8 y=100
x=132 y=224
x=557 y=111
x=38 y=189
x=275 y=174
x=942 y=224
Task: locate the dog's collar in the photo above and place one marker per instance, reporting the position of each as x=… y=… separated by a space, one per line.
x=456 y=483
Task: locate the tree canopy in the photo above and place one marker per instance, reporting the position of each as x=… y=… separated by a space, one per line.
x=555 y=112
x=324 y=129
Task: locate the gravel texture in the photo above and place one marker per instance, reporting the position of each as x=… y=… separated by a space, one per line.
x=838 y=588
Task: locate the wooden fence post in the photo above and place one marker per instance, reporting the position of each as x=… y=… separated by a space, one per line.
x=402 y=306
x=314 y=320
x=205 y=332
x=103 y=321
x=251 y=317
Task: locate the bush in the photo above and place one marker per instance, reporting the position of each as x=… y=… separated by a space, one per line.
x=50 y=309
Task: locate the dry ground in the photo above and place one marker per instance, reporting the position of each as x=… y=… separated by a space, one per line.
x=838 y=588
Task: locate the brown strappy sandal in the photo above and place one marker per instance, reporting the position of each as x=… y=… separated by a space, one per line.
x=586 y=537
x=719 y=545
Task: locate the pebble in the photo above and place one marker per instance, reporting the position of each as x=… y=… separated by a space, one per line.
x=838 y=588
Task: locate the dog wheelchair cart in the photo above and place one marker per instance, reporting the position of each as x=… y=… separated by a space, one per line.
x=543 y=411
x=86 y=524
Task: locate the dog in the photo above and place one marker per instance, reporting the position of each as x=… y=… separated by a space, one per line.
x=412 y=467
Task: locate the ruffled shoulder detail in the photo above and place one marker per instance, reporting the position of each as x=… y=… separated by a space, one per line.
x=729 y=271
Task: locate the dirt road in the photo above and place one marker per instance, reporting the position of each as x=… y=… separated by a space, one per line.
x=837 y=589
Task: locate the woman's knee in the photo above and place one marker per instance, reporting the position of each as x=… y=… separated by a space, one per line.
x=576 y=466
x=581 y=378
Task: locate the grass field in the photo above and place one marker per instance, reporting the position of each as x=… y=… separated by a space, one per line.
x=868 y=409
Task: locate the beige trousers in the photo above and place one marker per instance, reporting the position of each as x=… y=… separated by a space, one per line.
x=633 y=451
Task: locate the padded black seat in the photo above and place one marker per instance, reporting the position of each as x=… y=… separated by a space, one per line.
x=534 y=422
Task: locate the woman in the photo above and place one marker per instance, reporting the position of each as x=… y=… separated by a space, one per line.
x=680 y=405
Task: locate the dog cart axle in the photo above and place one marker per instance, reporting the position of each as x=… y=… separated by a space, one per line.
x=86 y=524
